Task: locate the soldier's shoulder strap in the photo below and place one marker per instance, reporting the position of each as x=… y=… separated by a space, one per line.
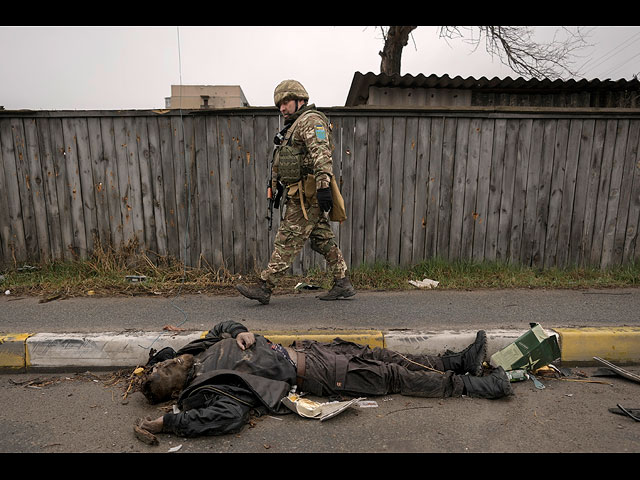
x=303 y=115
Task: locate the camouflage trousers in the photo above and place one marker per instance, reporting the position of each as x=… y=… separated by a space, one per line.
x=294 y=231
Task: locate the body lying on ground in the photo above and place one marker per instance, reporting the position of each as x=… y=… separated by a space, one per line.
x=218 y=380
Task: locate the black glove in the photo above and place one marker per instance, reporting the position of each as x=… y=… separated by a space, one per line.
x=324 y=199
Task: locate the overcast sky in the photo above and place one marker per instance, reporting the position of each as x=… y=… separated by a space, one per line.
x=104 y=68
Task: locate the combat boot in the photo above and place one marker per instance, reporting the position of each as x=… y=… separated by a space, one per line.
x=495 y=385
x=470 y=359
x=260 y=291
x=341 y=288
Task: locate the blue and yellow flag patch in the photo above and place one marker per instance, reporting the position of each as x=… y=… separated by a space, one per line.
x=321 y=133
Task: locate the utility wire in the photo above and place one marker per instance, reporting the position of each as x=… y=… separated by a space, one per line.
x=617 y=67
x=188 y=197
x=609 y=54
x=187 y=173
x=606 y=54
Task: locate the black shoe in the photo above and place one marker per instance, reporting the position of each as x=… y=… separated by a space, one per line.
x=495 y=385
x=470 y=359
x=260 y=292
x=341 y=288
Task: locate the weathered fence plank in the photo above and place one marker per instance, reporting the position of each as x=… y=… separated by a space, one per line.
x=421 y=204
x=542 y=187
x=359 y=185
x=520 y=191
x=631 y=248
x=444 y=217
x=14 y=243
x=434 y=179
x=575 y=251
x=508 y=185
x=470 y=215
x=168 y=184
x=555 y=199
x=407 y=192
x=495 y=190
x=607 y=256
x=482 y=200
x=347 y=149
x=371 y=194
x=606 y=169
x=384 y=190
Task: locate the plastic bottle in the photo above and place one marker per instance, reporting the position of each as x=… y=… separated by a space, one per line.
x=517 y=375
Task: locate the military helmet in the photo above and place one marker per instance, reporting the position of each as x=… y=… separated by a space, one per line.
x=289 y=90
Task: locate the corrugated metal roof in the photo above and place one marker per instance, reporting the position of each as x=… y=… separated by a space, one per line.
x=359 y=91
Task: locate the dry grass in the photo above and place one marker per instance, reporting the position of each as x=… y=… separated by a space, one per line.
x=105 y=274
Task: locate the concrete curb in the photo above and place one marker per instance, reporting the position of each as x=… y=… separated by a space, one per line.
x=56 y=351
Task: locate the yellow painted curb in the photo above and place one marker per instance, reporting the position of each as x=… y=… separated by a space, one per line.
x=13 y=350
x=372 y=338
x=617 y=344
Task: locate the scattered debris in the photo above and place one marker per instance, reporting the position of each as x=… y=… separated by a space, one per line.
x=50 y=298
x=306 y=286
x=424 y=283
x=171 y=328
x=174 y=449
x=586 y=381
x=618 y=371
x=531 y=354
x=319 y=411
x=539 y=385
x=409 y=408
x=27 y=268
x=531 y=351
x=633 y=413
x=551 y=371
x=517 y=375
x=135 y=278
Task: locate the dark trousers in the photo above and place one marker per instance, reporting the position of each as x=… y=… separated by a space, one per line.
x=346 y=368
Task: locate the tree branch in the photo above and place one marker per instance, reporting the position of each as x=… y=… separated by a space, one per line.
x=515 y=47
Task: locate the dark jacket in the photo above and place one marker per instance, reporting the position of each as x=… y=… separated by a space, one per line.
x=226 y=383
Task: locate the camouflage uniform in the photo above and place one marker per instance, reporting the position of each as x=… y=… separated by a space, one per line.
x=305 y=157
x=312 y=134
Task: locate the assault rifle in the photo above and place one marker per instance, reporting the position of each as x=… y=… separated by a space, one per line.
x=270 y=204
x=275 y=201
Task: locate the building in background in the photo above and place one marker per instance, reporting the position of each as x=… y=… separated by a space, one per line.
x=380 y=90
x=191 y=97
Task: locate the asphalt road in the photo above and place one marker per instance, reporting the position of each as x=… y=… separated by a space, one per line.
x=415 y=310
x=87 y=413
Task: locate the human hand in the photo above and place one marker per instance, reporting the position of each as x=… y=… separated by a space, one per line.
x=324 y=199
x=153 y=426
x=245 y=340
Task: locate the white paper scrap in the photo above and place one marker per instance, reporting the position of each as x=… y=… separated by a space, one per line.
x=425 y=283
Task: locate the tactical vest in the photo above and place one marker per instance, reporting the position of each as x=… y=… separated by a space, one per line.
x=289 y=158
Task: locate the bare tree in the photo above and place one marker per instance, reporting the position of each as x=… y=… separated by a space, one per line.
x=395 y=39
x=514 y=46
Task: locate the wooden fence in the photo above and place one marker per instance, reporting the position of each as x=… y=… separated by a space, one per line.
x=539 y=186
